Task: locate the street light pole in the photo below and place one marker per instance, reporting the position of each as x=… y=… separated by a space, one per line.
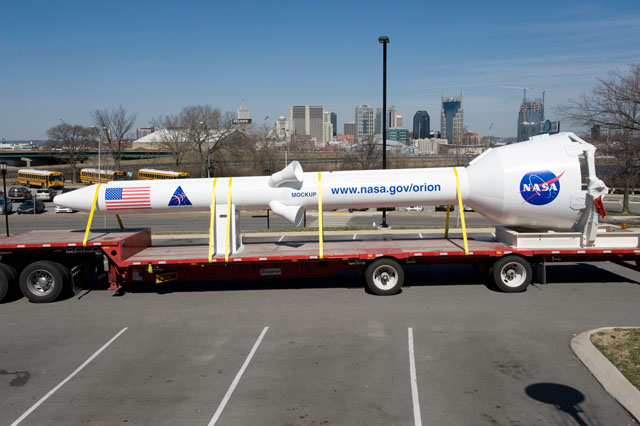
x=206 y=135
x=384 y=40
x=3 y=167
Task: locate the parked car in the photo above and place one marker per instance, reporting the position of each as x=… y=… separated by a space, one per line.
x=388 y=209
x=19 y=193
x=27 y=207
x=60 y=209
x=9 y=205
x=45 y=194
x=414 y=209
x=443 y=208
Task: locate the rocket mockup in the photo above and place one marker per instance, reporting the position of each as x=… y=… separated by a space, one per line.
x=534 y=184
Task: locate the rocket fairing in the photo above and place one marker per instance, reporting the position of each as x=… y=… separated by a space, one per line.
x=533 y=184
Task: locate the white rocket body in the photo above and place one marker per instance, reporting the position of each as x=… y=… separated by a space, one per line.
x=533 y=184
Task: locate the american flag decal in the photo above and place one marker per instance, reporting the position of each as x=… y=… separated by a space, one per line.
x=128 y=198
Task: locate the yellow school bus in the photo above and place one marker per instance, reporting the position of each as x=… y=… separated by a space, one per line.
x=101 y=176
x=147 y=174
x=41 y=178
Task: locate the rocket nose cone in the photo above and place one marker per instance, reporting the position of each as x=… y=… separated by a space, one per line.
x=79 y=199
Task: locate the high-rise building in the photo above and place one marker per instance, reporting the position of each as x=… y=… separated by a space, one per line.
x=308 y=121
x=470 y=138
x=243 y=121
x=452 y=119
x=399 y=121
x=529 y=118
x=328 y=127
x=350 y=128
x=364 y=123
x=398 y=134
x=379 y=121
x=282 y=128
x=421 y=125
x=334 y=122
x=391 y=116
x=243 y=112
x=144 y=131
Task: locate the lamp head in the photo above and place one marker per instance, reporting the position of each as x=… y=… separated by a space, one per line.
x=383 y=39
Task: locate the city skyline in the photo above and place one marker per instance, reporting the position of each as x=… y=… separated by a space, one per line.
x=65 y=60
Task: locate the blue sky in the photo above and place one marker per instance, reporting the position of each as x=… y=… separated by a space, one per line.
x=64 y=59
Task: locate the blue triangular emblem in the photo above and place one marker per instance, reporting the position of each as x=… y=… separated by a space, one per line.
x=179 y=198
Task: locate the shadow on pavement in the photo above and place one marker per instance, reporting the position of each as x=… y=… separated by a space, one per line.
x=415 y=276
x=582 y=273
x=563 y=398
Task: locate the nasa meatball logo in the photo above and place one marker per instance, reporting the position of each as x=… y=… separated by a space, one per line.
x=540 y=188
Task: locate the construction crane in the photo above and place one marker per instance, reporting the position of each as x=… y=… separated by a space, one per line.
x=524 y=99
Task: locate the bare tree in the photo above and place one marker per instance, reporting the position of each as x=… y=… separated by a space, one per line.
x=114 y=125
x=206 y=128
x=73 y=140
x=174 y=137
x=364 y=155
x=614 y=105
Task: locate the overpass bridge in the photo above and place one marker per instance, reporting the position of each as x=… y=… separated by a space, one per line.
x=43 y=157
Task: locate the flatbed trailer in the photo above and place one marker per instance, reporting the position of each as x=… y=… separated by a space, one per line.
x=43 y=264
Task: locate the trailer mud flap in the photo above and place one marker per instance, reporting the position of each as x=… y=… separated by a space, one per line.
x=166 y=277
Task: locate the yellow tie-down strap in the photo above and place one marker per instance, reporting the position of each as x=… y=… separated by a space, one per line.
x=120 y=221
x=93 y=208
x=213 y=218
x=226 y=248
x=461 y=207
x=320 y=221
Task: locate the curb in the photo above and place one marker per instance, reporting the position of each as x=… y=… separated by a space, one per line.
x=609 y=377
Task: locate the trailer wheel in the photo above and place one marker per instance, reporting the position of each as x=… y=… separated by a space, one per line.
x=42 y=281
x=8 y=277
x=512 y=274
x=384 y=276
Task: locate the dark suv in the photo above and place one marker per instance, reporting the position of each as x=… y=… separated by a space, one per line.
x=19 y=193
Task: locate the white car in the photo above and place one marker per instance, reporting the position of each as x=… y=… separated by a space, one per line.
x=414 y=209
x=60 y=209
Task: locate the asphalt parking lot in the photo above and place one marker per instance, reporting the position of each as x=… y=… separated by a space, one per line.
x=448 y=350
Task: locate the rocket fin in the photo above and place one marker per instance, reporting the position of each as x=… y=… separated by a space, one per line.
x=293 y=173
x=293 y=214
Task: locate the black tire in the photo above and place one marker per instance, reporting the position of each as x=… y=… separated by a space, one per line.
x=8 y=280
x=43 y=281
x=512 y=273
x=384 y=276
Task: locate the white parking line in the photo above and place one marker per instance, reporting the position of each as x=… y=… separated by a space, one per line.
x=414 y=381
x=420 y=236
x=224 y=401
x=354 y=236
x=69 y=377
x=281 y=238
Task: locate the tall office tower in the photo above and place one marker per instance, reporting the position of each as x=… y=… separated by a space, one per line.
x=327 y=127
x=452 y=119
x=421 y=125
x=379 y=121
x=243 y=121
x=391 y=116
x=364 y=123
x=350 y=128
x=529 y=118
x=243 y=112
x=281 y=128
x=308 y=121
x=334 y=122
x=399 y=121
